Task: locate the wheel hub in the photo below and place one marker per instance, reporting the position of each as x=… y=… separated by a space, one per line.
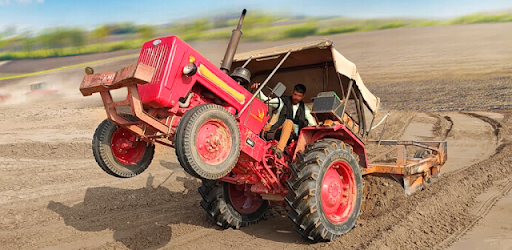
x=243 y=202
x=213 y=142
x=125 y=148
x=338 y=192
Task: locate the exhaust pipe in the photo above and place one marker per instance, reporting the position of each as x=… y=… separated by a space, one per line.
x=232 y=45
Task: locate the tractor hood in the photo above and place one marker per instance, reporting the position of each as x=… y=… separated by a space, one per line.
x=315 y=64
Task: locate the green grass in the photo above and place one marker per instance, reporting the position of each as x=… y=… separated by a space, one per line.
x=339 y=30
x=71 y=51
x=482 y=18
x=256 y=32
x=392 y=25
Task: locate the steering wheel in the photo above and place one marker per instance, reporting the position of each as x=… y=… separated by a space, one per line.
x=270 y=98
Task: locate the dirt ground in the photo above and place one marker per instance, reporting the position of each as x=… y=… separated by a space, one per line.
x=54 y=196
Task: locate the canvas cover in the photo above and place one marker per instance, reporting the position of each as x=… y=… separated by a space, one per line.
x=315 y=64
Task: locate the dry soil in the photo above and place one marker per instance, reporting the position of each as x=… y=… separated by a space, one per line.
x=439 y=83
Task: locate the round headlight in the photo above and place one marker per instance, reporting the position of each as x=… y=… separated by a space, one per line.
x=190 y=69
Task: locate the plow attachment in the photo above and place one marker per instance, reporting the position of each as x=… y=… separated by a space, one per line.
x=414 y=173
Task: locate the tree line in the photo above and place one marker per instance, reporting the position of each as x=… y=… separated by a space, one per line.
x=64 y=37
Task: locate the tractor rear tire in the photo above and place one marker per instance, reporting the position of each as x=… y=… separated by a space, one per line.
x=325 y=191
x=219 y=202
x=207 y=142
x=107 y=147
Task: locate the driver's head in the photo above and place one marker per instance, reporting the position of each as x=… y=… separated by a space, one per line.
x=299 y=91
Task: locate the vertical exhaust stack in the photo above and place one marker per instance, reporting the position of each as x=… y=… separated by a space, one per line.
x=232 y=45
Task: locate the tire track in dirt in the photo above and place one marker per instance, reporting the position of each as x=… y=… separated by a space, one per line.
x=427 y=217
x=470 y=140
x=487 y=205
x=500 y=142
x=449 y=129
x=495 y=124
x=452 y=196
x=480 y=214
x=443 y=125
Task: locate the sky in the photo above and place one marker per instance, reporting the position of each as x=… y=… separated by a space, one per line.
x=39 y=14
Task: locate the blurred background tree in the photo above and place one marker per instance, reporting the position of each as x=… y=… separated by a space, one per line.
x=146 y=32
x=27 y=42
x=101 y=32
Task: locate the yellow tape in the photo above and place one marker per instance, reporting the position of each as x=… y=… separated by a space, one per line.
x=224 y=86
x=67 y=67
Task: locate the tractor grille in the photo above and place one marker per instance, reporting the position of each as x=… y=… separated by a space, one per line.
x=155 y=57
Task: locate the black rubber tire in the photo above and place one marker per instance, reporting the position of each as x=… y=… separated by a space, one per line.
x=304 y=197
x=219 y=210
x=178 y=147
x=185 y=142
x=103 y=152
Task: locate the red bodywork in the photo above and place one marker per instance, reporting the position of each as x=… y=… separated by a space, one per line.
x=169 y=84
x=309 y=135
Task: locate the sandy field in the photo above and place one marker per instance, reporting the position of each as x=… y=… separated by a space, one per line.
x=448 y=83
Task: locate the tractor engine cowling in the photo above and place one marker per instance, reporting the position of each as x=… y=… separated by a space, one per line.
x=170 y=56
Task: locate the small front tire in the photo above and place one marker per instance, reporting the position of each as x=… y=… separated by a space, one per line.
x=119 y=152
x=207 y=142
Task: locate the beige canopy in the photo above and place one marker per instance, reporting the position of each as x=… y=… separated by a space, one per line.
x=315 y=64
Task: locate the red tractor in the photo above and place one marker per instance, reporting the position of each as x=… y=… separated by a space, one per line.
x=180 y=99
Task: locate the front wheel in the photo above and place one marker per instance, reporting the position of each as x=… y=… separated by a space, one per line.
x=326 y=192
x=119 y=152
x=207 y=142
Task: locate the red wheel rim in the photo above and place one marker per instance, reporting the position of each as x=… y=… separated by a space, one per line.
x=125 y=147
x=213 y=142
x=338 y=192
x=244 y=203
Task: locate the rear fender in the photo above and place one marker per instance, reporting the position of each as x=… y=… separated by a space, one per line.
x=309 y=135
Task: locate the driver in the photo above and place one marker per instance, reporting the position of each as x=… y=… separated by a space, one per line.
x=292 y=115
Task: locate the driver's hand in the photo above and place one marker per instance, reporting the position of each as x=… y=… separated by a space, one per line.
x=255 y=85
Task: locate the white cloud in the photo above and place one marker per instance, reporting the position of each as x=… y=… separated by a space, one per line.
x=29 y=1
x=25 y=2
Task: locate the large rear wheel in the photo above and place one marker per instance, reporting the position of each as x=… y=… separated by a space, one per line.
x=326 y=191
x=119 y=152
x=207 y=142
x=229 y=205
